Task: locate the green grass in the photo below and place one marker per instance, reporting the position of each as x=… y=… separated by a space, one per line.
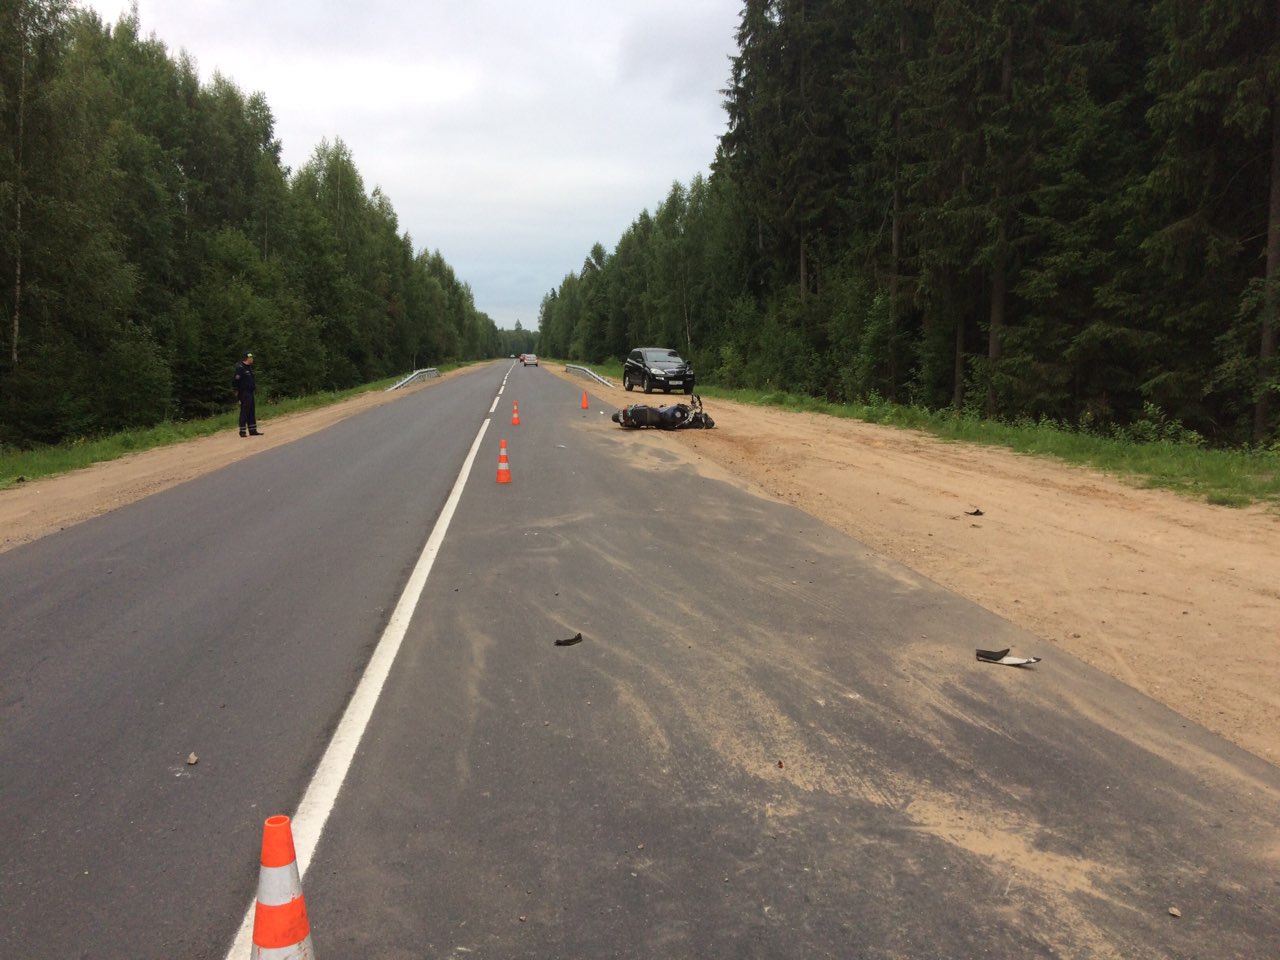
x=46 y=461
x=1228 y=478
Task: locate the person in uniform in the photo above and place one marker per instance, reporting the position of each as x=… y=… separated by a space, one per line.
x=243 y=385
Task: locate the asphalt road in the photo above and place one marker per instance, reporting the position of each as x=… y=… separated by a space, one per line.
x=770 y=742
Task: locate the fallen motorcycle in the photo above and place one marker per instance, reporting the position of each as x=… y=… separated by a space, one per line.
x=676 y=416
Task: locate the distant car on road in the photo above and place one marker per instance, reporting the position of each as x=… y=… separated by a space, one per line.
x=529 y=359
x=659 y=368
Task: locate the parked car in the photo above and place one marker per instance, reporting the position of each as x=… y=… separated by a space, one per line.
x=530 y=360
x=656 y=368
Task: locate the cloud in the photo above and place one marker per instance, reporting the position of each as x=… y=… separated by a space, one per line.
x=510 y=136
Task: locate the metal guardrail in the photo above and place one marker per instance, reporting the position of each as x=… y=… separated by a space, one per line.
x=583 y=371
x=425 y=373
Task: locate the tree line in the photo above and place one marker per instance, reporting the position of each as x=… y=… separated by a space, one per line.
x=1059 y=210
x=149 y=234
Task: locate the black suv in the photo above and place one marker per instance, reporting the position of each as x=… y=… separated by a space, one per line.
x=650 y=367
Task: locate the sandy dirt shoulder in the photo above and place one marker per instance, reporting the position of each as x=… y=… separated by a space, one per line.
x=1178 y=599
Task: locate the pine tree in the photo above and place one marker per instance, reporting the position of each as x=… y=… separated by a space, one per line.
x=1217 y=186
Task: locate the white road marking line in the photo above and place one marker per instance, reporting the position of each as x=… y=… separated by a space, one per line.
x=322 y=793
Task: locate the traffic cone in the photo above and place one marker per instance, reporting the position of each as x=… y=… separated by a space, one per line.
x=515 y=414
x=280 y=927
x=586 y=405
x=504 y=467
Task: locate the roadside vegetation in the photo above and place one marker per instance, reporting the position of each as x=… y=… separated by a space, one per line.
x=1153 y=451
x=1047 y=211
x=150 y=233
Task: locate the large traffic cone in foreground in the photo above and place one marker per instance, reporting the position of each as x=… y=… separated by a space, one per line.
x=515 y=414
x=280 y=927
x=586 y=405
x=504 y=467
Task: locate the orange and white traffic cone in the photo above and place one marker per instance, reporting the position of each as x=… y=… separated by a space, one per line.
x=280 y=927
x=515 y=414
x=504 y=466
x=585 y=403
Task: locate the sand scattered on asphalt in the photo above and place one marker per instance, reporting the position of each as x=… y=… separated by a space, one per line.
x=1175 y=597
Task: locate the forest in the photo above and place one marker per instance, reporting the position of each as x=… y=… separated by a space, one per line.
x=1055 y=211
x=149 y=234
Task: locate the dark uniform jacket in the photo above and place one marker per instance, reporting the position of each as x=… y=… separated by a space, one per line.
x=242 y=383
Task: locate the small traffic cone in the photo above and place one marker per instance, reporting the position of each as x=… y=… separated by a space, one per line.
x=586 y=404
x=515 y=414
x=280 y=927
x=504 y=466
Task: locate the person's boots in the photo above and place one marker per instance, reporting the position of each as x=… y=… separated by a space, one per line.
x=255 y=433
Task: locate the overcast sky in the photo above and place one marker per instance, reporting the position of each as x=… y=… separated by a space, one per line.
x=510 y=135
